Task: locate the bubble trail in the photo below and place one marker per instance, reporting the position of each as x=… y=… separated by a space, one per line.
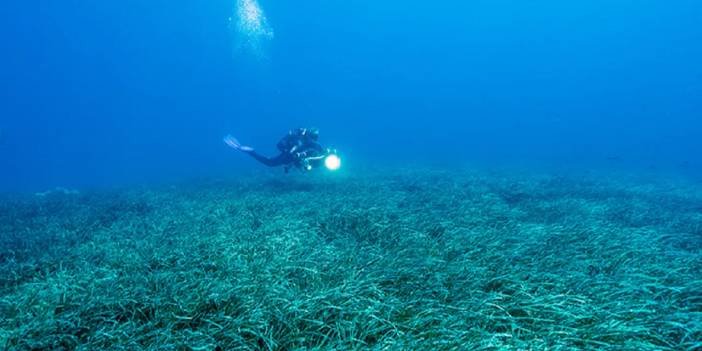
x=250 y=28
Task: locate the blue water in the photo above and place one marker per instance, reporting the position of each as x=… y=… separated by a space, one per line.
x=102 y=93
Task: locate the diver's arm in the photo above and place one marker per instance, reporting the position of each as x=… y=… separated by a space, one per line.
x=315 y=158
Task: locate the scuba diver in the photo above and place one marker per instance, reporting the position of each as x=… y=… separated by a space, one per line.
x=298 y=149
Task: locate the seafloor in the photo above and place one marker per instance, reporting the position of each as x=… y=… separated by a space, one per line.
x=402 y=260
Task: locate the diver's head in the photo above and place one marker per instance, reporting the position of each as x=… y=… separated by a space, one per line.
x=312 y=133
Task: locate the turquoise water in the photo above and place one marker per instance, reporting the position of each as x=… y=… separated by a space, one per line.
x=116 y=93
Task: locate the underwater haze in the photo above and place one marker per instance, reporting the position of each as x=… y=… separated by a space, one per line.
x=104 y=93
x=472 y=175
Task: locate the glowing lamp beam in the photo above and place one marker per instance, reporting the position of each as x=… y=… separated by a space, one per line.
x=332 y=162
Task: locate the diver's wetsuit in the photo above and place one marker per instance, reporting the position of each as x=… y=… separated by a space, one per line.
x=294 y=148
x=282 y=159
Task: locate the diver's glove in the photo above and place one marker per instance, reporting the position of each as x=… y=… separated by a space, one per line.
x=306 y=164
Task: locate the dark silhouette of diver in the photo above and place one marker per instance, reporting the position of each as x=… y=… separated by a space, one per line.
x=299 y=148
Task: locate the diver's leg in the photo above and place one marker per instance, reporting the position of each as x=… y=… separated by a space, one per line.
x=270 y=162
x=282 y=159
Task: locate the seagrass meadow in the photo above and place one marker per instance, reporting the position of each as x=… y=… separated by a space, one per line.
x=396 y=260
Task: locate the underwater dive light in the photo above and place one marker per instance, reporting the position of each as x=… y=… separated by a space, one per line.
x=332 y=162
